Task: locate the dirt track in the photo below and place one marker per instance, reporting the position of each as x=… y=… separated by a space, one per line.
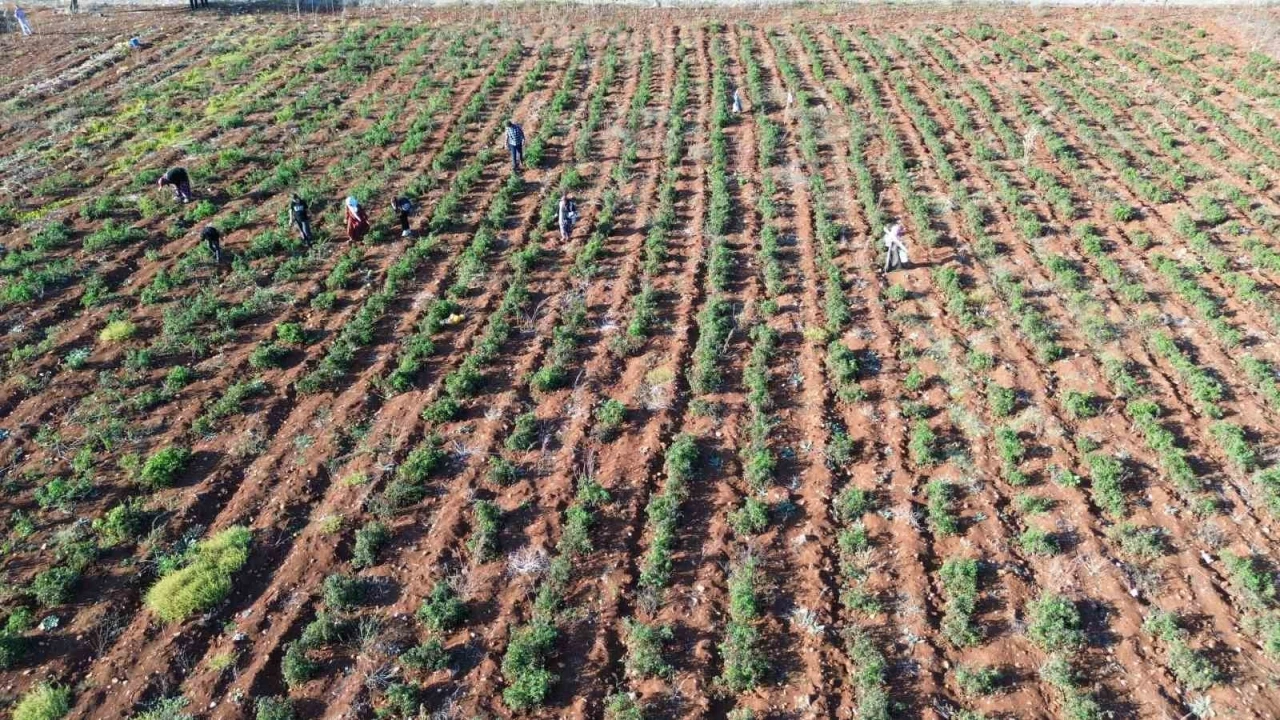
x=1072 y=384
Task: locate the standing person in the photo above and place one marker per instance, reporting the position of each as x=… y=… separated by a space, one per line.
x=737 y=101
x=515 y=143
x=181 y=182
x=357 y=221
x=895 y=249
x=299 y=218
x=75 y=6
x=21 y=16
x=213 y=240
x=568 y=215
x=403 y=208
x=194 y=4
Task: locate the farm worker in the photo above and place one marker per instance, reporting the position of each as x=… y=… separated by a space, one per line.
x=213 y=240
x=568 y=215
x=515 y=144
x=895 y=249
x=357 y=221
x=791 y=99
x=403 y=208
x=21 y=16
x=299 y=218
x=135 y=43
x=181 y=182
x=737 y=101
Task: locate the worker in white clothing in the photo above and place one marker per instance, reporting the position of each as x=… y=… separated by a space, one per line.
x=895 y=249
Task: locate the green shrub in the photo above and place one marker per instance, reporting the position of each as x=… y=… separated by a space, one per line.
x=750 y=519
x=343 y=592
x=524 y=665
x=13 y=642
x=1193 y=670
x=291 y=333
x=1029 y=504
x=1107 y=475
x=915 y=379
x=429 y=656
x=745 y=665
x=1254 y=575
x=179 y=376
x=1009 y=446
x=444 y=409
x=938 y=504
x=117 y=331
x=645 y=645
x=1233 y=441
x=268 y=355
x=1053 y=623
x=609 y=418
x=960 y=586
x=978 y=680
x=205 y=580
x=979 y=361
x=422 y=460
x=274 y=708
x=502 y=471
x=295 y=666
x=1001 y=399
x=620 y=706
x=921 y=444
x=852 y=503
x=370 y=540
x=486 y=520
x=524 y=434
x=62 y=493
x=54 y=586
x=121 y=524
x=112 y=234
x=1080 y=405
x=322 y=631
x=170 y=708
x=1142 y=543
x=1123 y=213
x=1036 y=541
x=162 y=469
x=442 y=610
x=45 y=701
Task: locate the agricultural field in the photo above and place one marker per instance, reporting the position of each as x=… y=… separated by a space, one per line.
x=702 y=459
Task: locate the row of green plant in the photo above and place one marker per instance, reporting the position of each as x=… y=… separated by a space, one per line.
x=524 y=664
x=643 y=312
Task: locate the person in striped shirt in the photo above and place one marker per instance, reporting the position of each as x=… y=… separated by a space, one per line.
x=515 y=144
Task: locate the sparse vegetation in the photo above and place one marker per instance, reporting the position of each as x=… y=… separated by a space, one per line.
x=704 y=431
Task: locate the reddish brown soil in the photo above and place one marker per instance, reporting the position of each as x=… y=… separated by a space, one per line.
x=244 y=99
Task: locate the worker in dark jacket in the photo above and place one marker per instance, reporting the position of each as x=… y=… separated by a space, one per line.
x=213 y=240
x=181 y=182
x=567 y=214
x=299 y=217
x=403 y=208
